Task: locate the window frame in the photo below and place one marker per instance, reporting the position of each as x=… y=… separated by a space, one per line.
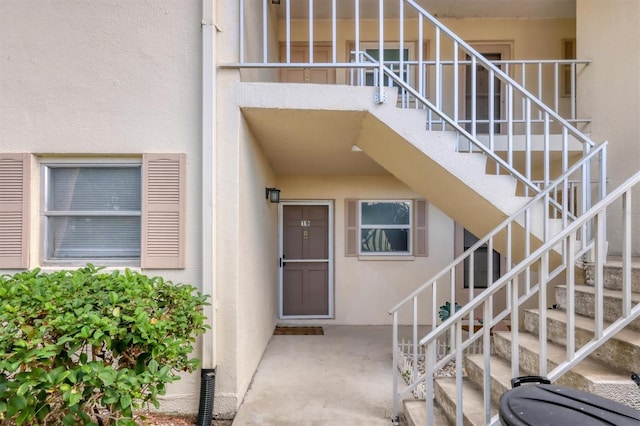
x=409 y=227
x=409 y=46
x=45 y=194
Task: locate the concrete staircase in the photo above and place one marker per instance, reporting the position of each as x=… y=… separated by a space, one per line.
x=606 y=372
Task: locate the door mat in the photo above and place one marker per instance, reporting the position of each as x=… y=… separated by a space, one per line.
x=298 y=331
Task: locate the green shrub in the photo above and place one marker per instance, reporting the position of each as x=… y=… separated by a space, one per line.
x=85 y=347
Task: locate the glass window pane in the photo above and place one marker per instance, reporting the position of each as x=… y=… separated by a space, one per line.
x=389 y=54
x=95 y=189
x=384 y=240
x=385 y=213
x=80 y=237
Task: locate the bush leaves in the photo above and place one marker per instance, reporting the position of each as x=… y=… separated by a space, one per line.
x=80 y=346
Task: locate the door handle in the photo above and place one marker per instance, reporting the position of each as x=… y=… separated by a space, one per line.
x=282 y=263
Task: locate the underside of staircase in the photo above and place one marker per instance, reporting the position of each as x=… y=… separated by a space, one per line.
x=606 y=372
x=463 y=185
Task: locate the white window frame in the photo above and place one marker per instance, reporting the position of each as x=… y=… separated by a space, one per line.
x=410 y=46
x=45 y=168
x=410 y=226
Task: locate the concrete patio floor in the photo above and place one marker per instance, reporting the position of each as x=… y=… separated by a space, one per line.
x=343 y=377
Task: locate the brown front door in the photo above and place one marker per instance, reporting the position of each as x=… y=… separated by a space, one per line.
x=305 y=260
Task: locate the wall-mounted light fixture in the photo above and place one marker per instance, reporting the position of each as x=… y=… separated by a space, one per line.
x=273 y=194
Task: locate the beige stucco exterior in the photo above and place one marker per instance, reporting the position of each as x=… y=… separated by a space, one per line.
x=103 y=81
x=115 y=79
x=609 y=35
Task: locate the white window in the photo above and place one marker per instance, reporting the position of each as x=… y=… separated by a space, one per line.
x=92 y=213
x=391 y=53
x=385 y=227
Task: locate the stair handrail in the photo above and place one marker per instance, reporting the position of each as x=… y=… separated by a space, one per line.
x=564 y=178
x=530 y=184
x=495 y=72
x=479 y=57
x=501 y=74
x=567 y=236
x=561 y=182
x=512 y=64
x=514 y=92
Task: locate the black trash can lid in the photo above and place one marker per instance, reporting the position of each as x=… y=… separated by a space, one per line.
x=551 y=405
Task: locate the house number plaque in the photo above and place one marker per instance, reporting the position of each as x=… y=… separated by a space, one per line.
x=305 y=223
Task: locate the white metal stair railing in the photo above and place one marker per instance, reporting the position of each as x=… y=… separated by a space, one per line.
x=547 y=270
x=524 y=126
x=562 y=100
x=515 y=231
x=390 y=78
x=582 y=188
x=525 y=116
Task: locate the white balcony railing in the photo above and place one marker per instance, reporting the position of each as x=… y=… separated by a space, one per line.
x=554 y=82
x=531 y=102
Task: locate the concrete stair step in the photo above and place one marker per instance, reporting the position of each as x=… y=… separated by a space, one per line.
x=584 y=300
x=623 y=350
x=613 y=274
x=589 y=375
x=500 y=374
x=415 y=413
x=472 y=401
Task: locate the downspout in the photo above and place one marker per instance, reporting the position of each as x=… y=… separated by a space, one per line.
x=208 y=356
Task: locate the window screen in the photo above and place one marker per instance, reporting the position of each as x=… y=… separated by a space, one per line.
x=92 y=212
x=385 y=227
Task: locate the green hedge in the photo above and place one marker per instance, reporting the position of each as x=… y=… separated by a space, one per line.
x=87 y=347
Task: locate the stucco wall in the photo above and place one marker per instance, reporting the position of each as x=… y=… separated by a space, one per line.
x=609 y=92
x=246 y=274
x=257 y=283
x=83 y=76
x=253 y=41
x=106 y=78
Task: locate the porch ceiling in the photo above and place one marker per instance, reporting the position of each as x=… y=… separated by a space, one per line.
x=311 y=142
x=442 y=9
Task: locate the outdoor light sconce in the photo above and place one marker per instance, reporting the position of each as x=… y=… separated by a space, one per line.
x=273 y=194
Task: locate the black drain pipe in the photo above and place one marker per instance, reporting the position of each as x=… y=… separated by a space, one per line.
x=207 y=389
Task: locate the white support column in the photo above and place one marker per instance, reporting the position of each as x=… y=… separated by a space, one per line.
x=381 y=95
x=570 y=308
x=627 y=286
x=311 y=55
x=208 y=356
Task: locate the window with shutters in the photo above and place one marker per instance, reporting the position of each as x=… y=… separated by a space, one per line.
x=129 y=212
x=92 y=213
x=385 y=227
